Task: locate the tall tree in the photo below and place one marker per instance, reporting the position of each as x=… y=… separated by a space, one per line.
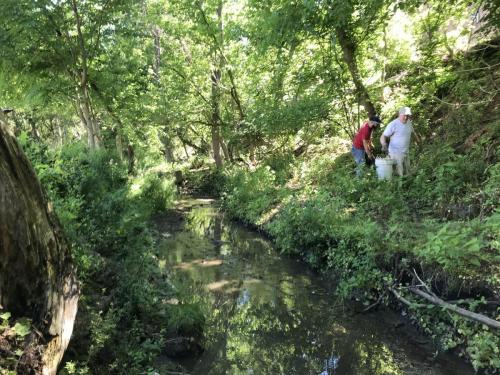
x=61 y=42
x=351 y=22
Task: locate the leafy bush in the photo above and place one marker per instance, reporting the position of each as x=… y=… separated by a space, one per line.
x=105 y=217
x=456 y=246
x=154 y=189
x=208 y=183
x=484 y=350
x=249 y=193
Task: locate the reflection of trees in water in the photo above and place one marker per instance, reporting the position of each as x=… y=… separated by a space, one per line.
x=264 y=336
x=374 y=358
x=285 y=332
x=199 y=220
x=264 y=318
x=270 y=339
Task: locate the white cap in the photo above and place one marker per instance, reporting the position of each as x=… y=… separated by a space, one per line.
x=405 y=111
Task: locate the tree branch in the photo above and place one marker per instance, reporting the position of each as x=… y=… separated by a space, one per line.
x=458 y=310
x=404 y=300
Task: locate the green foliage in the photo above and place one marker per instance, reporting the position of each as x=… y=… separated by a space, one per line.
x=206 y=182
x=13 y=335
x=154 y=189
x=458 y=247
x=105 y=217
x=281 y=164
x=284 y=82
x=327 y=233
x=249 y=194
x=22 y=328
x=484 y=350
x=186 y=318
x=358 y=228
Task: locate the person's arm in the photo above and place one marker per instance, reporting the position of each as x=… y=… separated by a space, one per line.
x=383 y=142
x=368 y=148
x=386 y=135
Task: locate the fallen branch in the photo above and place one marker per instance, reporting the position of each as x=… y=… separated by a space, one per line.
x=368 y=308
x=423 y=284
x=460 y=311
x=404 y=300
x=470 y=300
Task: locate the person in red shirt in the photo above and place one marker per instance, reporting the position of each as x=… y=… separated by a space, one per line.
x=362 y=143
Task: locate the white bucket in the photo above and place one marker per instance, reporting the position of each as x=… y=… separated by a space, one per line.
x=384 y=168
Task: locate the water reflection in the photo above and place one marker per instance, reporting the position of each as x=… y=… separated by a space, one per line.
x=269 y=315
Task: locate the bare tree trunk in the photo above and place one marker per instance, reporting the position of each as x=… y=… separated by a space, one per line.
x=84 y=118
x=215 y=96
x=33 y=130
x=349 y=54
x=216 y=142
x=37 y=278
x=130 y=158
x=169 y=152
x=88 y=119
x=166 y=138
x=85 y=104
x=61 y=131
x=156 y=32
x=119 y=144
x=225 y=150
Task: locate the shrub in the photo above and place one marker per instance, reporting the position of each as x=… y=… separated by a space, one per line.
x=248 y=194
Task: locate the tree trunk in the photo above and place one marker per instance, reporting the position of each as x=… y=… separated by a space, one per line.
x=61 y=131
x=37 y=278
x=349 y=54
x=225 y=150
x=86 y=116
x=85 y=104
x=33 y=130
x=168 y=149
x=156 y=32
x=119 y=144
x=215 y=96
x=216 y=145
x=130 y=158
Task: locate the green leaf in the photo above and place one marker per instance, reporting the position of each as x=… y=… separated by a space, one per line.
x=22 y=328
x=5 y=316
x=475 y=262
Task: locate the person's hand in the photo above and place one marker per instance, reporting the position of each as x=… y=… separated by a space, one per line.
x=384 y=148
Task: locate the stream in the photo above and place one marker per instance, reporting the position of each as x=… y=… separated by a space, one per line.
x=270 y=314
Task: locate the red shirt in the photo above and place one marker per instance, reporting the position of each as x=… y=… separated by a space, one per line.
x=364 y=133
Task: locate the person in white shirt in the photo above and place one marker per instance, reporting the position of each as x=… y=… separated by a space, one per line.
x=399 y=132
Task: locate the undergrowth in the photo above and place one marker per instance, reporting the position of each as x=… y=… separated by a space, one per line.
x=123 y=318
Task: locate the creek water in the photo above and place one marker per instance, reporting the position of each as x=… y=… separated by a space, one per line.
x=270 y=314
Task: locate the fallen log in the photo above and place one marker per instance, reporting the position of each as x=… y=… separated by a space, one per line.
x=458 y=310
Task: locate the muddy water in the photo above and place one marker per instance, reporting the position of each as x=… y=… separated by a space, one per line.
x=268 y=314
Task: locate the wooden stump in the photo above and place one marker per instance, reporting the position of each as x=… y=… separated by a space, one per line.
x=37 y=277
